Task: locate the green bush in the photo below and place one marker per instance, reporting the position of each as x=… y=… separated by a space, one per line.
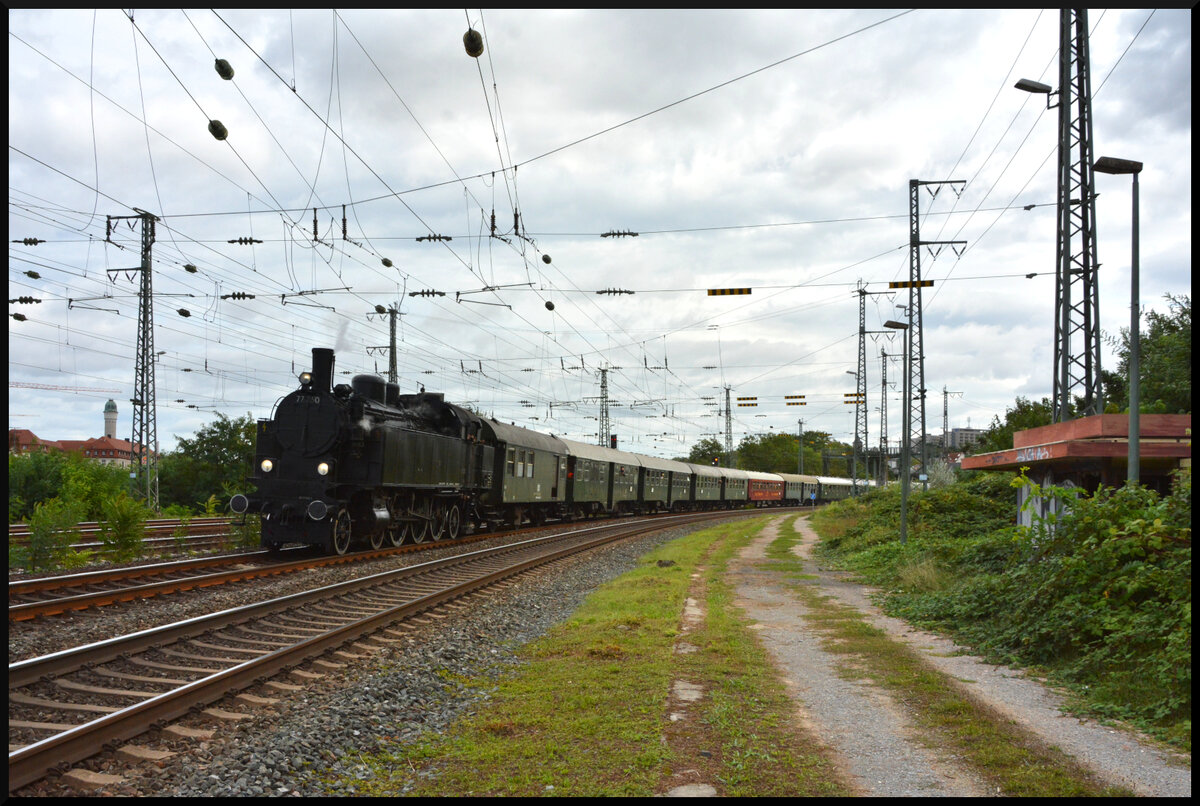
x=247 y=534
x=53 y=529
x=1105 y=601
x=123 y=528
x=1099 y=597
x=35 y=478
x=967 y=509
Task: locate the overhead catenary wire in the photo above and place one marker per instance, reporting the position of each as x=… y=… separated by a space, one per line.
x=228 y=263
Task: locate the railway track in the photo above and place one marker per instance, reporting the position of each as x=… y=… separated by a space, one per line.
x=162 y=536
x=46 y=596
x=66 y=706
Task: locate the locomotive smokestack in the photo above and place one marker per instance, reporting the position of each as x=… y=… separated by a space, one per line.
x=322 y=370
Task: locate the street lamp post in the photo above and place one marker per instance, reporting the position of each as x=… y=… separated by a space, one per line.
x=905 y=468
x=1112 y=165
x=800 y=437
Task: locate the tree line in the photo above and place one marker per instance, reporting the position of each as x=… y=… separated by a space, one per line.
x=198 y=477
x=777 y=453
x=1164 y=377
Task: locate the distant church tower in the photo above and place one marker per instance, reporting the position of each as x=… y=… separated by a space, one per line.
x=110 y=419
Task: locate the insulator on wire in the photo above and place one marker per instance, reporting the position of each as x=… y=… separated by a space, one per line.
x=224 y=70
x=545 y=258
x=188 y=267
x=23 y=300
x=245 y=241
x=184 y=312
x=387 y=262
x=473 y=42
x=20 y=317
x=30 y=241
x=237 y=295
x=217 y=129
x=33 y=275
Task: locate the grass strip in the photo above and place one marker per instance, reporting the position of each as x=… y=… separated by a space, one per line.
x=1014 y=761
x=747 y=715
x=586 y=713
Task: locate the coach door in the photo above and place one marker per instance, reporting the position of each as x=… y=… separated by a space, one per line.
x=560 y=476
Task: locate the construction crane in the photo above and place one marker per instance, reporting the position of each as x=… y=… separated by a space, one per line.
x=24 y=385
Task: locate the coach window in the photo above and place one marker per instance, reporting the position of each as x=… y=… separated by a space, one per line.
x=512 y=460
x=520 y=463
x=529 y=467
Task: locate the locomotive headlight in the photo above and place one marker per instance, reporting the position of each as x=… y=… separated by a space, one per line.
x=305 y=378
x=267 y=465
x=323 y=469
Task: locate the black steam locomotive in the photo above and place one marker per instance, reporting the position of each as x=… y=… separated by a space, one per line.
x=362 y=463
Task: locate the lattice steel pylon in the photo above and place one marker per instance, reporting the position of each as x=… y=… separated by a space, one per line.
x=393 y=375
x=860 y=406
x=144 y=442
x=729 y=462
x=1076 y=297
x=914 y=407
x=605 y=423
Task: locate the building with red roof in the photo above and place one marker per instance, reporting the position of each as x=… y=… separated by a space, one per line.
x=108 y=449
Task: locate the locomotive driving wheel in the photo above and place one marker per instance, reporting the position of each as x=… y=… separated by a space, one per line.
x=341 y=532
x=453 y=522
x=438 y=522
x=396 y=534
x=419 y=529
x=377 y=539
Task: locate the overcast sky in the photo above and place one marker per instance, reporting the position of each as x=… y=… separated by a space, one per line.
x=769 y=150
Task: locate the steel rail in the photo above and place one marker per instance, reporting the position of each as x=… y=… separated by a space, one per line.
x=23 y=587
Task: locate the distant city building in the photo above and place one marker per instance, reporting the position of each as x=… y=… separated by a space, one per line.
x=107 y=450
x=962 y=437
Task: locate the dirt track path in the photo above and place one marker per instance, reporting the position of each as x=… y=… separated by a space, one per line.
x=871 y=733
